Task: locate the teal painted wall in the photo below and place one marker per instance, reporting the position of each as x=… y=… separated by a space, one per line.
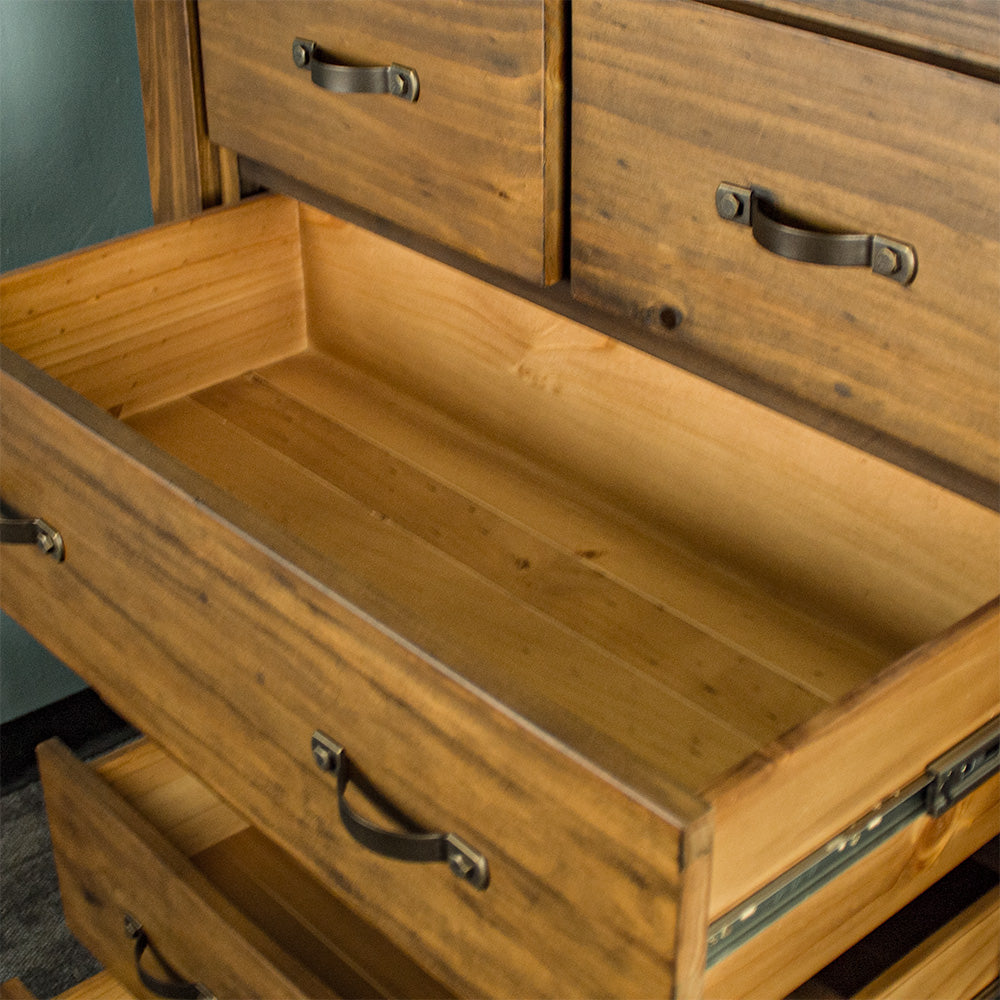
x=72 y=173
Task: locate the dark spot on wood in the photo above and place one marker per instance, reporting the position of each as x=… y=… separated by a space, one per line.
x=522 y=563
x=843 y=389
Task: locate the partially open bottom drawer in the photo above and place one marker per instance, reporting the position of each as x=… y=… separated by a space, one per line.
x=153 y=868
x=635 y=643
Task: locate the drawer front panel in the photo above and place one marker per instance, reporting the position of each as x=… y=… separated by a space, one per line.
x=112 y=862
x=672 y=100
x=218 y=647
x=473 y=163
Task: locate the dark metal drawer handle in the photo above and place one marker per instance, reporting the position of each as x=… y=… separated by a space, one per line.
x=415 y=844
x=400 y=81
x=796 y=241
x=173 y=989
x=32 y=531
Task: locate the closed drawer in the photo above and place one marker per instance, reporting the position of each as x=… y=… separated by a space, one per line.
x=474 y=162
x=673 y=100
x=137 y=840
x=501 y=559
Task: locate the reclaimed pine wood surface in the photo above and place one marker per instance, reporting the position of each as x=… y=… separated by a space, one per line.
x=961 y=33
x=111 y=861
x=672 y=99
x=839 y=914
x=187 y=173
x=597 y=475
x=267 y=886
x=433 y=166
x=130 y=323
x=843 y=762
x=242 y=652
x=965 y=33
x=960 y=960
x=102 y=986
x=820 y=525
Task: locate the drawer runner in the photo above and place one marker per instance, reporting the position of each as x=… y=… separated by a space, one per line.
x=944 y=783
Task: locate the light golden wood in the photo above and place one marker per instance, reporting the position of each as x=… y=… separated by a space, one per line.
x=433 y=166
x=538 y=666
x=814 y=782
x=842 y=912
x=958 y=961
x=180 y=806
x=819 y=524
x=659 y=565
x=440 y=517
x=132 y=323
x=111 y=861
x=102 y=986
x=844 y=137
x=14 y=989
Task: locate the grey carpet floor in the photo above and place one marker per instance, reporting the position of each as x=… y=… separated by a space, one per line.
x=35 y=944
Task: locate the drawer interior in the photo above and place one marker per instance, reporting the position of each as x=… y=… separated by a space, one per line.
x=630 y=556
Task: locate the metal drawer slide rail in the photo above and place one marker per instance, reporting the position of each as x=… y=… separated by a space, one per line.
x=944 y=783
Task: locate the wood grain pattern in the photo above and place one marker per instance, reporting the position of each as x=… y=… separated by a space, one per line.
x=963 y=33
x=792 y=799
x=741 y=692
x=659 y=565
x=239 y=640
x=187 y=173
x=135 y=322
x=102 y=986
x=330 y=570
x=821 y=526
x=538 y=666
x=434 y=166
x=267 y=886
x=959 y=960
x=672 y=99
x=111 y=862
x=839 y=914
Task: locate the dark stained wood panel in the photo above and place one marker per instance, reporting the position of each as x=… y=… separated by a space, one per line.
x=670 y=100
x=475 y=163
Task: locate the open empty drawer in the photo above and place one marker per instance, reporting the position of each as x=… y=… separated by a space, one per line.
x=177 y=896
x=616 y=646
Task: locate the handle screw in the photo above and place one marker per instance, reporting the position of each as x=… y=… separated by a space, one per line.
x=886 y=261
x=300 y=54
x=322 y=756
x=729 y=206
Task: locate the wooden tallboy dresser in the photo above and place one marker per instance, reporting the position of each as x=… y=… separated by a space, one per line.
x=551 y=540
